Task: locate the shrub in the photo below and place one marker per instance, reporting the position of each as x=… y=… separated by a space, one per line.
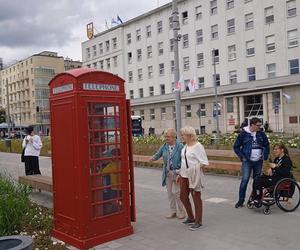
x=14 y=202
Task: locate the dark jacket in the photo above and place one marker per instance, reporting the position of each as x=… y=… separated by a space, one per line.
x=243 y=145
x=283 y=168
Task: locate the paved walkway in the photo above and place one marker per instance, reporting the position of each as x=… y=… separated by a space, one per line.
x=224 y=226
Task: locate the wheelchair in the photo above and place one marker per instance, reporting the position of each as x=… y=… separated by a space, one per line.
x=285 y=194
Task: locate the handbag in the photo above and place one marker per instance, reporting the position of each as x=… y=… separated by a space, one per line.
x=23 y=155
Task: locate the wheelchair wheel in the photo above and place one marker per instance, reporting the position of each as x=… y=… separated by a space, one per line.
x=250 y=205
x=266 y=210
x=287 y=194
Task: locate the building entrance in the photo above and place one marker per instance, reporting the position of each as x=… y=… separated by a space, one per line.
x=254 y=107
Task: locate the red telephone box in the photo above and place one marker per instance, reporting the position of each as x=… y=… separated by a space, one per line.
x=92 y=170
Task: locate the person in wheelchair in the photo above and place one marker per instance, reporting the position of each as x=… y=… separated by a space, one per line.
x=279 y=169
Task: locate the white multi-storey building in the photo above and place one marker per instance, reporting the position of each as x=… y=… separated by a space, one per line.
x=26 y=84
x=254 y=43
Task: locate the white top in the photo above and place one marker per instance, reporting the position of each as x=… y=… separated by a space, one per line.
x=33 y=146
x=256 y=152
x=194 y=154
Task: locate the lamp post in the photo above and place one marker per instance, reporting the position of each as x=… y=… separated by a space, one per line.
x=176 y=38
x=8 y=110
x=216 y=109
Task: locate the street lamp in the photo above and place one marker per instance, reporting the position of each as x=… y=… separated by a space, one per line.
x=176 y=38
x=215 y=106
x=8 y=109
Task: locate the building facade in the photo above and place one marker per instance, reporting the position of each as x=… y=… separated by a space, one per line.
x=70 y=64
x=26 y=83
x=253 y=43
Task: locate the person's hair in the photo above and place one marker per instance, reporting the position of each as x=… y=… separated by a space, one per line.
x=187 y=130
x=172 y=131
x=29 y=130
x=254 y=121
x=282 y=146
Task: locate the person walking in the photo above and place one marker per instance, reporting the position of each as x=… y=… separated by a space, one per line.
x=252 y=148
x=32 y=144
x=171 y=153
x=193 y=159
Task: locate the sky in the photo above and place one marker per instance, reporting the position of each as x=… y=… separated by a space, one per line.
x=28 y=27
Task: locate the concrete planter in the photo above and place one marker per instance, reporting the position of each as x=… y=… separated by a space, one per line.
x=16 y=242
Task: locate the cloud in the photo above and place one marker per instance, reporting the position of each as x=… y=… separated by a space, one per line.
x=28 y=27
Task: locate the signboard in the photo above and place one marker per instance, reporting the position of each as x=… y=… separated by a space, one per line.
x=62 y=88
x=231 y=121
x=101 y=87
x=90 y=30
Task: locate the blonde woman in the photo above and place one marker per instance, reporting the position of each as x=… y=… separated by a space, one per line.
x=170 y=151
x=193 y=158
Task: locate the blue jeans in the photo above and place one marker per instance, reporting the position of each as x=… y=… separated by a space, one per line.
x=247 y=167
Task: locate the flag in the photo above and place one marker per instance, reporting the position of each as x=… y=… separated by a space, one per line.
x=192 y=85
x=114 y=21
x=119 y=19
x=179 y=85
x=287 y=97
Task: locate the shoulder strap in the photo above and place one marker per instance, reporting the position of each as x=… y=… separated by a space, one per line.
x=186 y=163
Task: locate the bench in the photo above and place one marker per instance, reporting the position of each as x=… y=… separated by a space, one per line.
x=40 y=182
x=213 y=164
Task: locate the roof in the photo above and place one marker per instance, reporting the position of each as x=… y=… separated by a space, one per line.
x=79 y=71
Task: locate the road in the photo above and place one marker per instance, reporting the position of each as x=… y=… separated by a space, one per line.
x=224 y=227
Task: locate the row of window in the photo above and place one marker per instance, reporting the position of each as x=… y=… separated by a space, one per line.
x=188 y=111
x=16 y=67
x=270 y=46
x=269 y=17
x=232 y=76
x=249 y=24
x=249 y=19
x=100 y=64
x=92 y=52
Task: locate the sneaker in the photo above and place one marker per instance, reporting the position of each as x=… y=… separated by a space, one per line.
x=195 y=226
x=188 y=221
x=181 y=215
x=171 y=216
x=239 y=204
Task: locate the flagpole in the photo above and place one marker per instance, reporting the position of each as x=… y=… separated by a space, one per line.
x=216 y=109
x=175 y=22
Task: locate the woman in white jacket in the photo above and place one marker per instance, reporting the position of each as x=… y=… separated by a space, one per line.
x=32 y=144
x=193 y=158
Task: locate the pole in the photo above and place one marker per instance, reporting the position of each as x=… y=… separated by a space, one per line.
x=216 y=109
x=20 y=115
x=8 y=110
x=200 y=120
x=175 y=22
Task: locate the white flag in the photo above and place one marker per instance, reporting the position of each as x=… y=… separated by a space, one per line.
x=287 y=97
x=192 y=85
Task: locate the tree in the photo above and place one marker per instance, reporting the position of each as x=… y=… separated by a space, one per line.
x=2 y=115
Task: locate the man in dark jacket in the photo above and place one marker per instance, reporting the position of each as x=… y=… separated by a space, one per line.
x=252 y=147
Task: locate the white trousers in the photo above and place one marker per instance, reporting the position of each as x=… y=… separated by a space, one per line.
x=173 y=190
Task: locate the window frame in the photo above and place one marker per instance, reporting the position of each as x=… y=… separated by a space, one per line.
x=251 y=77
x=232 y=74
